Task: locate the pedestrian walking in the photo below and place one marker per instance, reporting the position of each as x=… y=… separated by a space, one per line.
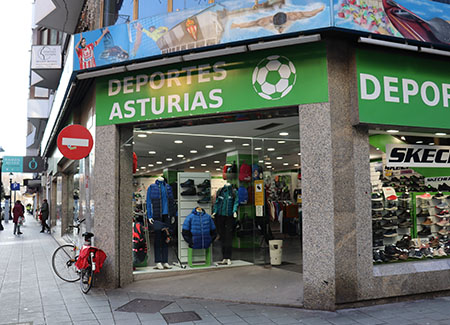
x=44 y=216
x=18 y=212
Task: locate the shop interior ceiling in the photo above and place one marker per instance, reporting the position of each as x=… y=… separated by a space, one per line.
x=174 y=148
x=418 y=138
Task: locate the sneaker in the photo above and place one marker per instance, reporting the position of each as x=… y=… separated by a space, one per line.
x=439 y=196
x=404 y=243
x=395 y=179
x=424 y=232
x=404 y=197
x=405 y=224
x=20 y=233
x=189 y=191
x=390 y=216
x=188 y=183
x=392 y=250
x=376 y=197
x=427 y=222
x=442 y=214
x=390 y=224
x=204 y=200
x=376 y=215
x=423 y=214
x=427 y=252
x=225 y=261
x=443 y=232
x=205 y=192
x=392 y=198
x=205 y=184
x=376 y=256
x=441 y=251
x=377 y=206
x=443 y=223
x=391 y=206
x=159 y=266
x=415 y=253
x=166 y=266
x=390 y=233
x=377 y=243
x=426 y=196
x=434 y=242
x=405 y=215
x=442 y=206
x=379 y=234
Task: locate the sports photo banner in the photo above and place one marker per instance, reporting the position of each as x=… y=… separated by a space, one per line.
x=227 y=21
x=264 y=79
x=406 y=155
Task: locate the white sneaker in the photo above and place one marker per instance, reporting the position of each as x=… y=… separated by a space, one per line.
x=228 y=262
x=167 y=266
x=159 y=266
x=225 y=261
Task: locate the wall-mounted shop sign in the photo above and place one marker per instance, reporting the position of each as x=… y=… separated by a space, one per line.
x=404 y=90
x=20 y=164
x=405 y=155
x=264 y=79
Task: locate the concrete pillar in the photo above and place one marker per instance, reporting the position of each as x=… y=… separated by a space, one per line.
x=335 y=187
x=52 y=203
x=112 y=197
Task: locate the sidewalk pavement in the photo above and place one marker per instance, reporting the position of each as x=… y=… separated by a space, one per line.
x=30 y=293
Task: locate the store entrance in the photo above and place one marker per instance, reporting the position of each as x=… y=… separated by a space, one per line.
x=243 y=176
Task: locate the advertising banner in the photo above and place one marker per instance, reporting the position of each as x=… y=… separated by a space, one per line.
x=218 y=23
x=237 y=82
x=424 y=21
x=403 y=90
x=227 y=21
x=406 y=155
x=46 y=57
x=19 y=164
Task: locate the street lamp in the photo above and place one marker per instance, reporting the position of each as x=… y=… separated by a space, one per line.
x=10 y=196
x=1 y=181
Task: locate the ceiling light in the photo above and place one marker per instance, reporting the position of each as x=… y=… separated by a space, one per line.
x=193 y=151
x=268 y=163
x=218 y=169
x=281 y=141
x=150 y=165
x=228 y=140
x=127 y=144
x=142 y=135
x=191 y=167
x=159 y=162
x=257 y=149
x=378 y=149
x=260 y=161
x=284 y=134
x=203 y=165
x=169 y=159
x=440 y=133
x=431 y=143
x=279 y=158
x=285 y=164
x=134 y=142
x=178 y=141
x=143 y=167
x=296 y=165
x=206 y=171
x=403 y=138
x=392 y=131
x=270 y=149
x=246 y=144
x=152 y=152
x=299 y=154
x=419 y=142
x=216 y=161
x=209 y=146
x=180 y=156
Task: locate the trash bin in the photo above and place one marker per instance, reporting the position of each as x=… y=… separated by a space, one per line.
x=276 y=251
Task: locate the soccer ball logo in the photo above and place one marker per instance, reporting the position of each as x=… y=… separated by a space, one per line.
x=274 y=77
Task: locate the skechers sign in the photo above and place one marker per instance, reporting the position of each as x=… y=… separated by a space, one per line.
x=405 y=90
x=404 y=155
x=231 y=83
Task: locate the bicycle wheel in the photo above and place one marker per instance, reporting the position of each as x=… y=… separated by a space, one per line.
x=63 y=263
x=87 y=279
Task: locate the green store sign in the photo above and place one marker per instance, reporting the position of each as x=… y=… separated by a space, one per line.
x=403 y=90
x=263 y=79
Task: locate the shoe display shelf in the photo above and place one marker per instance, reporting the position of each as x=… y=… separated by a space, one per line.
x=190 y=183
x=431 y=211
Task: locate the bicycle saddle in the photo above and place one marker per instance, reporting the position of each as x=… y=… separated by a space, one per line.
x=87 y=235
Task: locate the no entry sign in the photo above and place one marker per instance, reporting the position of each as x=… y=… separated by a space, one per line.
x=75 y=142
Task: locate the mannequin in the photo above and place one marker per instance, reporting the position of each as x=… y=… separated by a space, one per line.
x=160 y=208
x=225 y=211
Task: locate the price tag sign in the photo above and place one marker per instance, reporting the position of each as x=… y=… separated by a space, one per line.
x=259 y=193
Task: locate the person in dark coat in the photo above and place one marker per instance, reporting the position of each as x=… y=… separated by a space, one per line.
x=44 y=216
x=18 y=212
